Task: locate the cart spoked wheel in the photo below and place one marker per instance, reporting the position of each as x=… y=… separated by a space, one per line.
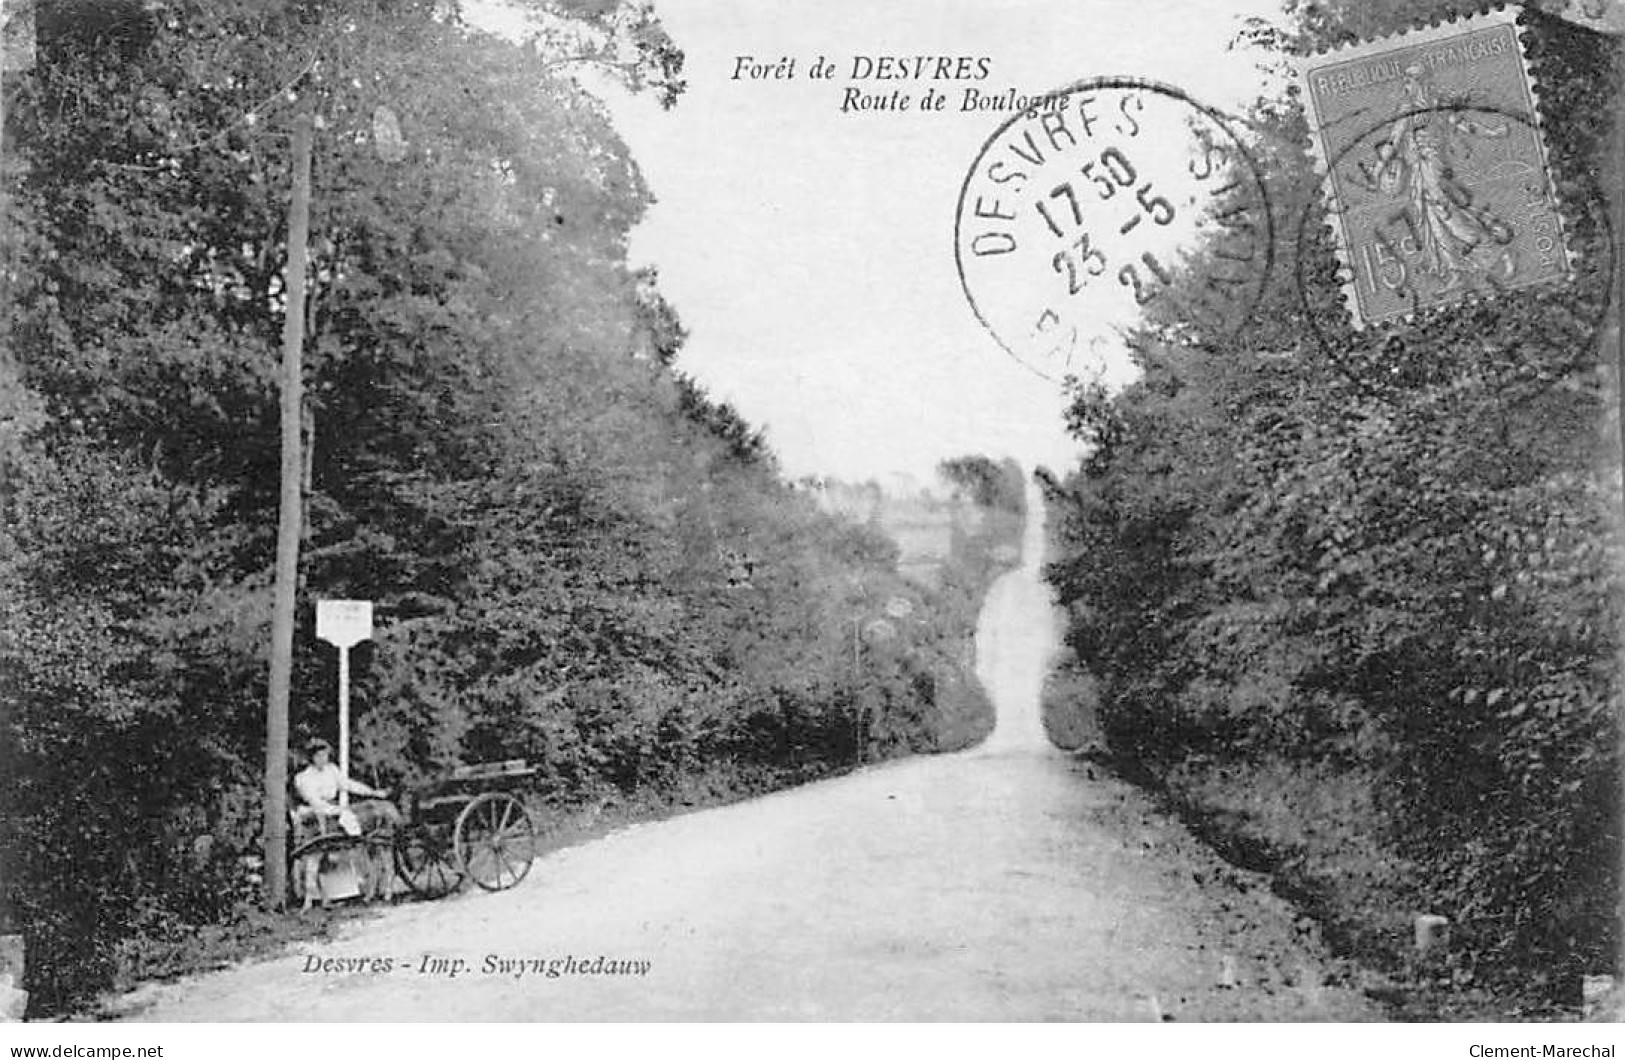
x=495 y=840
x=425 y=862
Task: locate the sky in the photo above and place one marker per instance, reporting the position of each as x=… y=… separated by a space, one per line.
x=811 y=252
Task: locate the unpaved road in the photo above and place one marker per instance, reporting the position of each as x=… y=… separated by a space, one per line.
x=1009 y=882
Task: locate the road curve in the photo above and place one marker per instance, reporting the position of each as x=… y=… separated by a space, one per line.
x=1006 y=883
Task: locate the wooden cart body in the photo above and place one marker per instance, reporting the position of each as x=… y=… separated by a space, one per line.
x=468 y=825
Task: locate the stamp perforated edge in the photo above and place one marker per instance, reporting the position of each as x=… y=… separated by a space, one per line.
x=1348 y=276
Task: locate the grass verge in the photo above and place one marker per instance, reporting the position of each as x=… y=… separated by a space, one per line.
x=1313 y=829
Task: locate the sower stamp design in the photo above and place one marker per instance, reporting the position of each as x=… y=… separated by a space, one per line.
x=1434 y=167
x=1073 y=217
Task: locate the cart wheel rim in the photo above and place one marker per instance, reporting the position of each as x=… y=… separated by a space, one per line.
x=495 y=841
x=422 y=863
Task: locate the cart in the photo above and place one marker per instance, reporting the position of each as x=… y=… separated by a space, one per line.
x=469 y=825
x=337 y=863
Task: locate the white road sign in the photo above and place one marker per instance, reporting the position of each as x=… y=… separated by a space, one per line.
x=344 y=623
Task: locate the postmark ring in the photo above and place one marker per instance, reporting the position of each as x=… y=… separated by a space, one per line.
x=1024 y=251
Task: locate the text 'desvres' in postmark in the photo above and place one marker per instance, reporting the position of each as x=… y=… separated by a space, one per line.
x=1435 y=170
x=1074 y=218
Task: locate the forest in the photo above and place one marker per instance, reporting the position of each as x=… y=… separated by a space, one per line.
x=576 y=555
x=1350 y=599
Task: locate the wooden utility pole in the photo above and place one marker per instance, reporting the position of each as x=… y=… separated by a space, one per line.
x=289 y=520
x=17 y=45
x=1613 y=171
x=2 y=73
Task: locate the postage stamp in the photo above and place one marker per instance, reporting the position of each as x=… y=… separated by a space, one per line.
x=1436 y=173
x=1075 y=215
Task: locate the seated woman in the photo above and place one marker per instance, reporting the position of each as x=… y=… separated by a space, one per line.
x=318 y=811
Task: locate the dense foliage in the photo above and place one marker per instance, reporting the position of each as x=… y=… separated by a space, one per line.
x=1352 y=597
x=995 y=486
x=576 y=555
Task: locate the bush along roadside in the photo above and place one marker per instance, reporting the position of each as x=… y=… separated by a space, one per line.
x=1350 y=599
x=921 y=691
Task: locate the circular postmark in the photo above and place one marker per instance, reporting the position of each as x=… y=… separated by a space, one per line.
x=1432 y=214
x=1073 y=218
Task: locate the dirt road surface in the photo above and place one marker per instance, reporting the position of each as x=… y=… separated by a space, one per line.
x=1011 y=882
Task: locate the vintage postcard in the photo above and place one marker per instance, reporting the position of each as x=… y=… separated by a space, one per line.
x=542 y=511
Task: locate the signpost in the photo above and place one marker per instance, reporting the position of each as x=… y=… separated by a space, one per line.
x=344 y=624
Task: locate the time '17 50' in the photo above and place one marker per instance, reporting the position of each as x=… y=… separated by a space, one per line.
x=1111 y=175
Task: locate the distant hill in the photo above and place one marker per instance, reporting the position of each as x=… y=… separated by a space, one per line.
x=924 y=522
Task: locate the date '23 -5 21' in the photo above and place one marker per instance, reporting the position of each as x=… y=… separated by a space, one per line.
x=1109 y=176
